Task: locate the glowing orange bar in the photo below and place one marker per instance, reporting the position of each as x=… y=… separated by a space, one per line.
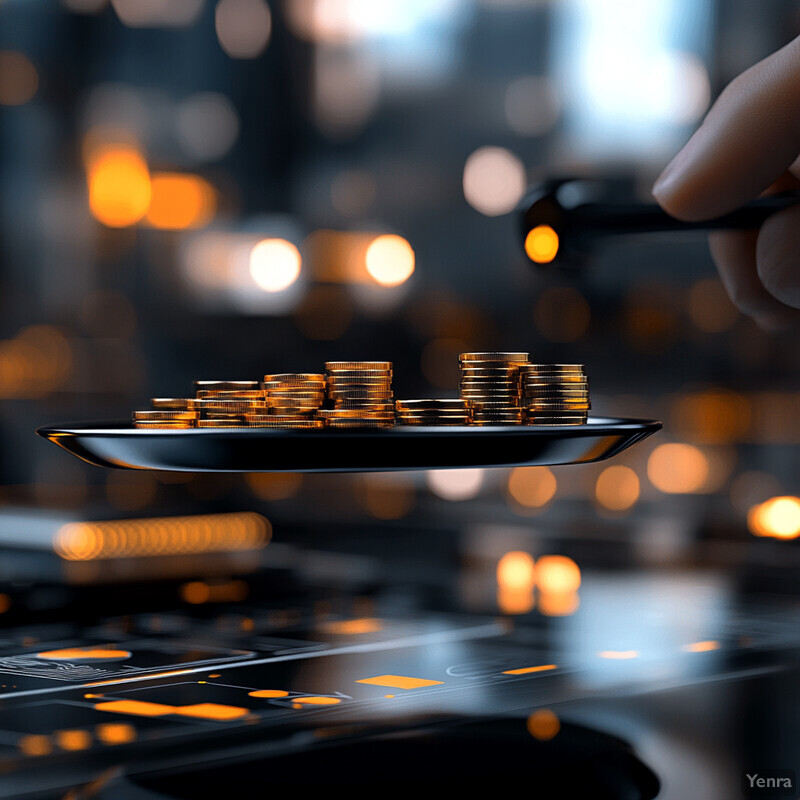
x=82 y=654
x=399 y=682
x=211 y=711
x=317 y=701
x=137 y=707
x=701 y=647
x=526 y=670
x=352 y=626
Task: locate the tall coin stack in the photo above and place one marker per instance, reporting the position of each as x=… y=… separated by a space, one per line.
x=490 y=384
x=226 y=404
x=555 y=394
x=291 y=401
x=361 y=394
x=433 y=412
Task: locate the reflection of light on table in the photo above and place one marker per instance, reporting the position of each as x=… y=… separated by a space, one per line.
x=84 y=654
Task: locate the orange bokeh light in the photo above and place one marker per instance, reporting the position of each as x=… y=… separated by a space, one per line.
x=543 y=725
x=617 y=488
x=531 y=487
x=515 y=601
x=558 y=604
x=516 y=570
x=541 y=244
x=119 y=186
x=557 y=574
x=73 y=739
x=19 y=80
x=390 y=260
x=179 y=201
x=678 y=468
x=115 y=733
x=778 y=517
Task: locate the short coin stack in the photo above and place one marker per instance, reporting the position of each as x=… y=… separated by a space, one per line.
x=490 y=384
x=361 y=394
x=226 y=404
x=292 y=400
x=433 y=412
x=555 y=394
x=171 y=418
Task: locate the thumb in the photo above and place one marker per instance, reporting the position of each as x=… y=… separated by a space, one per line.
x=750 y=136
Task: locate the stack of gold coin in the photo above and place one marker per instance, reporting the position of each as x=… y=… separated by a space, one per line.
x=433 y=412
x=361 y=394
x=555 y=394
x=490 y=384
x=164 y=419
x=225 y=404
x=291 y=401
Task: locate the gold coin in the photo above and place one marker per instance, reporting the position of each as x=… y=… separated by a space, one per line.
x=225 y=386
x=350 y=366
x=175 y=426
x=492 y=387
x=335 y=382
x=498 y=356
x=232 y=403
x=359 y=423
x=309 y=402
x=353 y=413
x=578 y=405
x=295 y=377
x=172 y=403
x=414 y=405
x=557 y=421
x=467 y=394
x=288 y=424
x=443 y=420
x=240 y=394
x=434 y=420
x=294 y=391
x=221 y=423
x=557 y=392
x=339 y=386
x=553 y=369
x=173 y=416
x=364 y=405
x=370 y=395
x=359 y=374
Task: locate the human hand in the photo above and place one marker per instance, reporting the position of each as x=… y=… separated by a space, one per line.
x=748 y=144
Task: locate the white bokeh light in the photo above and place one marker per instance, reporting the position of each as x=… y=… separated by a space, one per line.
x=455 y=484
x=208 y=125
x=494 y=181
x=243 y=27
x=275 y=264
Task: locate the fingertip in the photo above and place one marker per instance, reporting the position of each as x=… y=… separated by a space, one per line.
x=674 y=190
x=777 y=259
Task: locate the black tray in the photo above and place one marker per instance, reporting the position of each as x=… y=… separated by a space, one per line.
x=117 y=444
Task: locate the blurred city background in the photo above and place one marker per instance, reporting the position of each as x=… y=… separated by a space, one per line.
x=219 y=189
x=216 y=189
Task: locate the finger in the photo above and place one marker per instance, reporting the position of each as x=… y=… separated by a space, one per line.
x=734 y=253
x=778 y=256
x=749 y=137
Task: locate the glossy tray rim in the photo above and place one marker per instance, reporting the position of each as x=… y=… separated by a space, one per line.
x=116 y=444
x=117 y=428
